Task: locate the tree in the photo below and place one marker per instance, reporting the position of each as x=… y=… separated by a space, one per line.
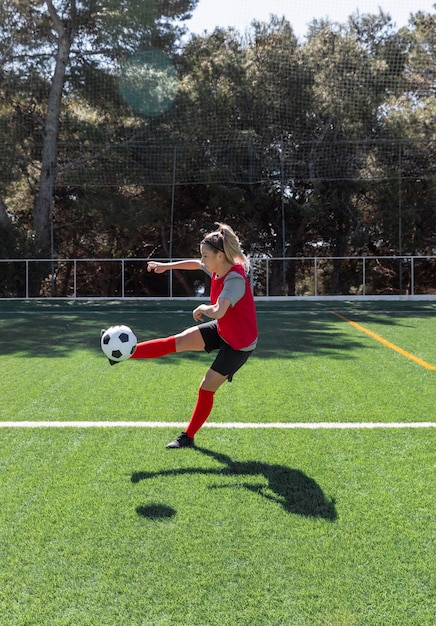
x=296 y=144
x=404 y=206
x=60 y=41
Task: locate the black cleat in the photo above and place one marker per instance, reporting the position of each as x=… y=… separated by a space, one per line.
x=182 y=441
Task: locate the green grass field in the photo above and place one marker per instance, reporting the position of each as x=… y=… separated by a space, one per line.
x=253 y=527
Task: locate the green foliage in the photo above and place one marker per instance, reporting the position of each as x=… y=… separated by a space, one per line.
x=297 y=143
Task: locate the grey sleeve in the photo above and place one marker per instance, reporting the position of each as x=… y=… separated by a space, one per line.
x=234 y=287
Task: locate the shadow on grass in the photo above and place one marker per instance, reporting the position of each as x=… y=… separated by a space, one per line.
x=155 y=511
x=47 y=329
x=295 y=492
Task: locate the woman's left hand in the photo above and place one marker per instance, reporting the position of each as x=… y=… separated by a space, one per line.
x=199 y=312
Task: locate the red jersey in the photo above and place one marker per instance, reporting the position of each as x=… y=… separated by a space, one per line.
x=238 y=327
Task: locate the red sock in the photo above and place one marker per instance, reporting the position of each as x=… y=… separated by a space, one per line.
x=155 y=348
x=201 y=412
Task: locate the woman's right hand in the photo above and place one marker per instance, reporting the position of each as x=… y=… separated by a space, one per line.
x=156 y=267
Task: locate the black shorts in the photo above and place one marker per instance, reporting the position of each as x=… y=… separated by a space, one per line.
x=228 y=360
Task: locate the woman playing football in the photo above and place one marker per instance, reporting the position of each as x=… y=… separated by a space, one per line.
x=231 y=329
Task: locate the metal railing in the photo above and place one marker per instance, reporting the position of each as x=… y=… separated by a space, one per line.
x=126 y=278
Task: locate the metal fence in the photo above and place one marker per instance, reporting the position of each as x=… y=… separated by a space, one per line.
x=364 y=276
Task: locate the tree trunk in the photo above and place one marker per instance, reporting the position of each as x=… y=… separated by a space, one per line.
x=43 y=209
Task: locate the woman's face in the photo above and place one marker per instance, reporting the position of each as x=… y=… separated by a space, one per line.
x=210 y=258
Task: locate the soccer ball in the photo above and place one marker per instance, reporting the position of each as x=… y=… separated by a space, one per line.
x=118 y=343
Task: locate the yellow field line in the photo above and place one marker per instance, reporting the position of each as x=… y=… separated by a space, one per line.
x=387 y=343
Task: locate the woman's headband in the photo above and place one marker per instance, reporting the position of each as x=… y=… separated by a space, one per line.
x=214 y=245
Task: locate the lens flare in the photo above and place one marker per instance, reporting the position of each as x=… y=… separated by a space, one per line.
x=148 y=83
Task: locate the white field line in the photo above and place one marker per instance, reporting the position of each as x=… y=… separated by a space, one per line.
x=228 y=425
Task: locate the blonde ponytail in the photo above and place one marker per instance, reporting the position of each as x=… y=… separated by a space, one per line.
x=224 y=239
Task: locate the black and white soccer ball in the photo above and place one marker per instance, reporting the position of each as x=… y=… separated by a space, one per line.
x=118 y=343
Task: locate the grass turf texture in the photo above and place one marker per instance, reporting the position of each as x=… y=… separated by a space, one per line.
x=253 y=527
x=310 y=365
x=326 y=527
